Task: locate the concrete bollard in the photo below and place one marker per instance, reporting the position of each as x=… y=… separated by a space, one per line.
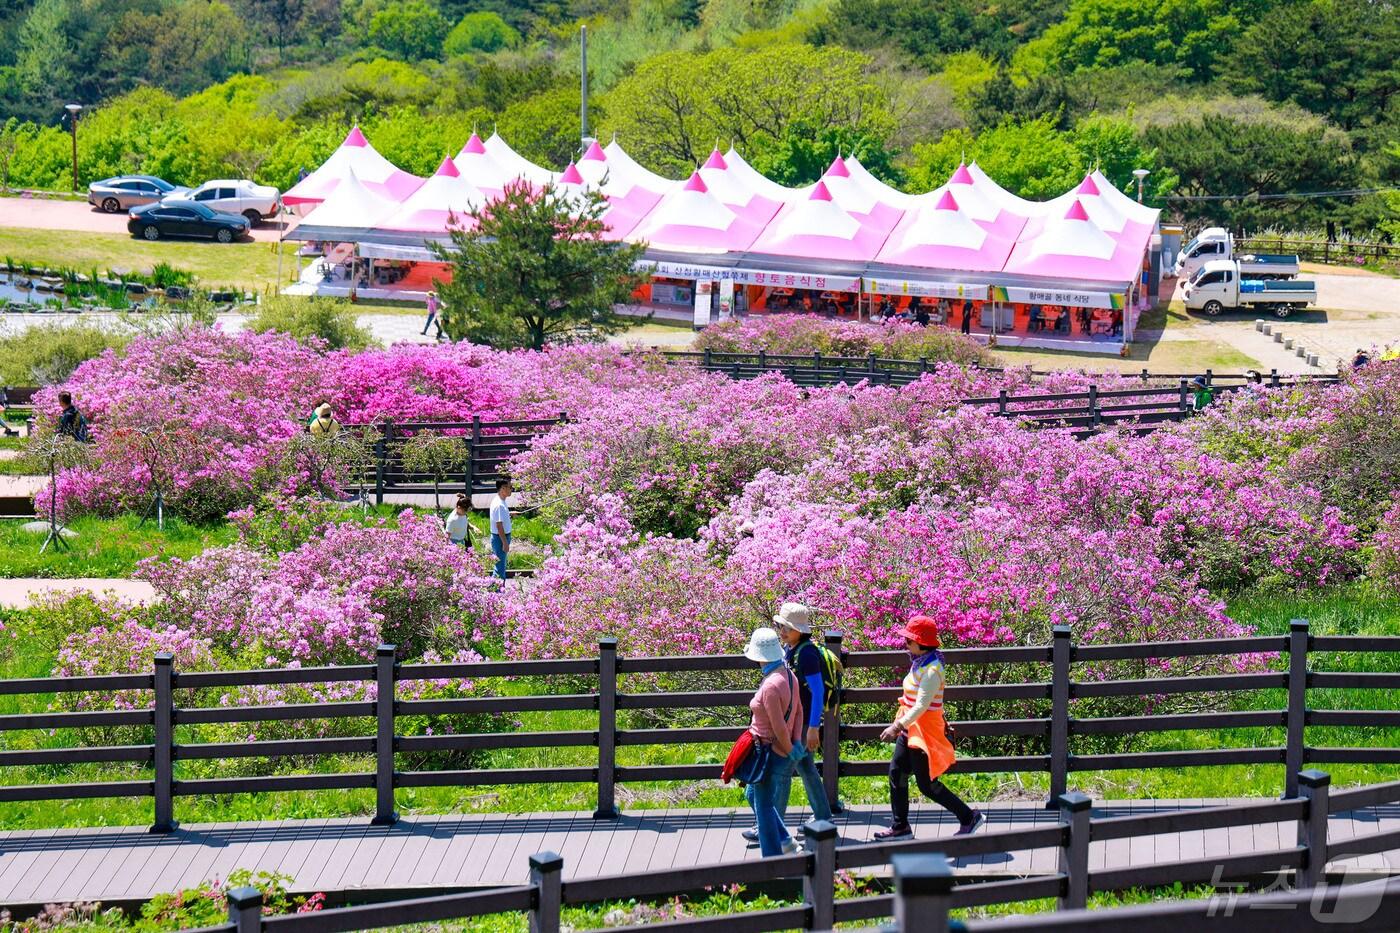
x=1312 y=359
x=1288 y=344
x=1302 y=352
x=1267 y=328
x=1259 y=325
x=1278 y=338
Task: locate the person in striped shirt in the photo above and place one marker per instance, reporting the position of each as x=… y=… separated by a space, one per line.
x=921 y=746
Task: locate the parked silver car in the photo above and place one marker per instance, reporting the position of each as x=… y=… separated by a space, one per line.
x=236 y=196
x=127 y=191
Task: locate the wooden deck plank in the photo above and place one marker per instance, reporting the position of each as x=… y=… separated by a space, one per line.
x=476 y=856
x=334 y=850
x=71 y=887
x=167 y=848
x=425 y=831
x=52 y=863
x=294 y=861
x=19 y=856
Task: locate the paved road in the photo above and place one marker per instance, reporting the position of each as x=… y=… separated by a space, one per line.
x=471 y=849
x=45 y=214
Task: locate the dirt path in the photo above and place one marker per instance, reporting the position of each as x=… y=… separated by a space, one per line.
x=20 y=592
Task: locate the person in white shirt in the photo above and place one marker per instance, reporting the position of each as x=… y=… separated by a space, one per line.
x=457 y=525
x=500 y=526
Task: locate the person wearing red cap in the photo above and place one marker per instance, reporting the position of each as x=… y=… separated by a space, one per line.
x=921 y=746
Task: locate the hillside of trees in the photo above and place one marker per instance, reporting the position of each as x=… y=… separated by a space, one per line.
x=1231 y=99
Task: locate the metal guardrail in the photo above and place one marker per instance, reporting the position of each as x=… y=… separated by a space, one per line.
x=1055 y=729
x=925 y=887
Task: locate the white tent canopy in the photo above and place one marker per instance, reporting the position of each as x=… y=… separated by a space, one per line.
x=350 y=206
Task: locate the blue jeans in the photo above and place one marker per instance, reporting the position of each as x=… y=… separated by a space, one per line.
x=499 y=549
x=763 y=799
x=811 y=782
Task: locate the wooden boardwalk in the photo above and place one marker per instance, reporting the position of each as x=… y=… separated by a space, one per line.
x=471 y=850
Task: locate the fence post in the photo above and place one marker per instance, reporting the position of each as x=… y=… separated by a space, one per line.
x=763 y=360
x=1312 y=828
x=1001 y=401
x=164 y=743
x=473 y=446
x=1273 y=378
x=385 y=674
x=1210 y=378
x=1093 y=406
x=1297 y=704
x=607 y=729
x=923 y=365
x=546 y=874
x=831 y=739
x=1061 y=653
x=1144 y=375
x=707 y=362
x=245 y=909
x=819 y=886
x=381 y=452
x=1181 y=403
x=922 y=885
x=1074 y=851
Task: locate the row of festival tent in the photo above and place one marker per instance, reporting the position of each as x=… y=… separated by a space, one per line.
x=969 y=224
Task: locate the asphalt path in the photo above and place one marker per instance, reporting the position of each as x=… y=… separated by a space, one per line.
x=48 y=214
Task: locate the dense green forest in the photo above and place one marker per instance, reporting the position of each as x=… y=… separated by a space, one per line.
x=1232 y=98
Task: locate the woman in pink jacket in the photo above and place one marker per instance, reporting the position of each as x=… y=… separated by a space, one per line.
x=777 y=721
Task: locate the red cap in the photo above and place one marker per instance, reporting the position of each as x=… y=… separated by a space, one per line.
x=923 y=629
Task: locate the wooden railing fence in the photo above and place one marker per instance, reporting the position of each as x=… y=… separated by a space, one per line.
x=925 y=888
x=1142 y=409
x=1056 y=729
x=1339 y=251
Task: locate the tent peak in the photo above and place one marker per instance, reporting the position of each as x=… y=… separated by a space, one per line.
x=715 y=160
x=595 y=153
x=820 y=192
x=355 y=138
x=1087 y=186
x=1076 y=211
x=447 y=168
x=475 y=146
x=947 y=202
x=838 y=168
x=696 y=183
x=962 y=176
x=571 y=176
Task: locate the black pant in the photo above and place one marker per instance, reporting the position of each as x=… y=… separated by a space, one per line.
x=908 y=761
x=967 y=322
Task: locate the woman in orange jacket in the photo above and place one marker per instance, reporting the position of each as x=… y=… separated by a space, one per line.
x=921 y=748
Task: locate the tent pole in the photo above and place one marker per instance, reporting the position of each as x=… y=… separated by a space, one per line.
x=281 y=235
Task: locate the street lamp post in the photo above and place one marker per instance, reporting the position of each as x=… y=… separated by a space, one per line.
x=73 y=126
x=1140 y=174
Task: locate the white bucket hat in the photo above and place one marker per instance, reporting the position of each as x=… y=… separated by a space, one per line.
x=764 y=646
x=795 y=616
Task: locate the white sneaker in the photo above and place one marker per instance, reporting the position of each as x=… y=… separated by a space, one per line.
x=790 y=847
x=751 y=834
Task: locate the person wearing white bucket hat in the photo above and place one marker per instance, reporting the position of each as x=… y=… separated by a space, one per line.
x=777 y=721
x=803 y=658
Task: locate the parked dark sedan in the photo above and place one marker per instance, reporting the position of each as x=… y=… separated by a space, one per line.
x=185 y=218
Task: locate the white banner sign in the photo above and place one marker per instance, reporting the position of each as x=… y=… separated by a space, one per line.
x=726 y=299
x=702 y=304
x=1051 y=296
x=677 y=270
x=925 y=289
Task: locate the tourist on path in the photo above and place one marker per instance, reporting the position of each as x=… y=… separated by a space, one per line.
x=921 y=748
x=322 y=422
x=804 y=659
x=71 y=421
x=432 y=320
x=777 y=721
x=458 y=526
x=500 y=526
x=1204 y=394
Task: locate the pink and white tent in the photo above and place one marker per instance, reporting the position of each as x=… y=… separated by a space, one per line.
x=999 y=195
x=1072 y=246
x=623 y=167
x=1129 y=207
x=355 y=155
x=858 y=200
x=760 y=183
x=944 y=236
x=516 y=164
x=478 y=167
x=818 y=228
x=623 y=213
x=735 y=193
x=886 y=193
x=691 y=219
x=352 y=205
x=429 y=209
x=979 y=204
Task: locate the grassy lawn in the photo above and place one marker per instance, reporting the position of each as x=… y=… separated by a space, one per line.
x=1165 y=356
x=249 y=265
x=104 y=547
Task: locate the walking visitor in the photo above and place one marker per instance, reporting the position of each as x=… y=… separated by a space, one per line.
x=457 y=525
x=322 y=422
x=5 y=414
x=1204 y=394
x=432 y=320
x=809 y=663
x=776 y=729
x=500 y=526
x=71 y=421
x=921 y=746
x=966 y=326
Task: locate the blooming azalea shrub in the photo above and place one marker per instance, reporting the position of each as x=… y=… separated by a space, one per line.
x=1385 y=561
x=800 y=334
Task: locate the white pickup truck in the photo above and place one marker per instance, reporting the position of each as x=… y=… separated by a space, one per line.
x=1215 y=243
x=237 y=196
x=1219 y=286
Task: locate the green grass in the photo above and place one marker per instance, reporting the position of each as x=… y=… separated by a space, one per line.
x=104 y=547
x=1167 y=356
x=249 y=265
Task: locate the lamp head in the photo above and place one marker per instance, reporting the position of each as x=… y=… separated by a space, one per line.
x=1141 y=173
x=73 y=108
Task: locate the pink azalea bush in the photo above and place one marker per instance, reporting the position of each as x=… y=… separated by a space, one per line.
x=802 y=335
x=1385 y=561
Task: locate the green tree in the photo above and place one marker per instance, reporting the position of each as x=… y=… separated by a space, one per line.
x=280 y=20
x=1032 y=159
x=409 y=29
x=482 y=31
x=1339 y=58
x=183 y=48
x=921 y=30
x=44 y=57
x=329 y=320
x=677 y=105
x=535 y=268
x=546 y=128
x=805 y=150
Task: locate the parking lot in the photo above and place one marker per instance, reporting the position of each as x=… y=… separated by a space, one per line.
x=47 y=214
